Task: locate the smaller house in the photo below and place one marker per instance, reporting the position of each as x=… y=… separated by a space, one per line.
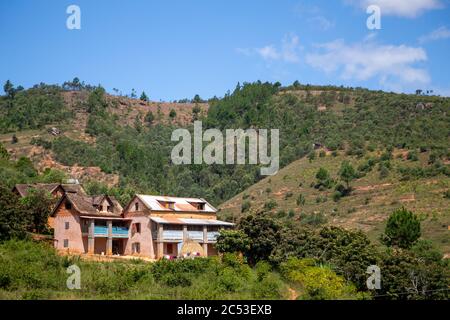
x=89 y=224
x=57 y=190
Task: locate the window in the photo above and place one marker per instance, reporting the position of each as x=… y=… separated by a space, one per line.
x=136 y=247
x=68 y=205
x=167 y=205
x=198 y=205
x=66 y=243
x=67 y=225
x=136 y=228
x=136 y=206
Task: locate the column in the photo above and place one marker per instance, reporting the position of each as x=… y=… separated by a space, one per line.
x=109 y=240
x=152 y=250
x=205 y=241
x=185 y=233
x=160 y=240
x=91 y=239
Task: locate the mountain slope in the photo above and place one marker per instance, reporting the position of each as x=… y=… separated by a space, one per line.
x=368 y=206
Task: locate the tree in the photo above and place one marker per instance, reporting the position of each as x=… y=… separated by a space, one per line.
x=8 y=87
x=197 y=99
x=264 y=234
x=195 y=112
x=402 y=229
x=133 y=93
x=172 y=114
x=149 y=118
x=323 y=178
x=144 y=97
x=347 y=173
x=14 y=221
x=38 y=204
x=231 y=241
x=409 y=275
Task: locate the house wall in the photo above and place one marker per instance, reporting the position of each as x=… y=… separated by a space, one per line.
x=145 y=237
x=73 y=234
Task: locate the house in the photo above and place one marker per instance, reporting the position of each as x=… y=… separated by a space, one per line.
x=149 y=226
x=161 y=225
x=89 y=224
x=57 y=190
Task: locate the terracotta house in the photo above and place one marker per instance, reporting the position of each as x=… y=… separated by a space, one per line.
x=149 y=226
x=160 y=225
x=89 y=224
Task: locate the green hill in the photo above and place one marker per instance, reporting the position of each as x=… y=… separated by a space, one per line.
x=374 y=196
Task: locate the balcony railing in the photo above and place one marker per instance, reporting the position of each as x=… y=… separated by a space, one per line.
x=212 y=235
x=117 y=231
x=177 y=235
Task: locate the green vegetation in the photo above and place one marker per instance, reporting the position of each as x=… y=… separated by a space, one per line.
x=402 y=229
x=34 y=271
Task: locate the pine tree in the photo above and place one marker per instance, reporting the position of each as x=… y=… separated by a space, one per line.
x=402 y=229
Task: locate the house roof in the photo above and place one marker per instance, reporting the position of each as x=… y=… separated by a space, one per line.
x=86 y=205
x=23 y=189
x=179 y=204
x=198 y=222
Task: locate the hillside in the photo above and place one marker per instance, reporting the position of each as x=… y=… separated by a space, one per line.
x=366 y=208
x=73 y=125
x=116 y=143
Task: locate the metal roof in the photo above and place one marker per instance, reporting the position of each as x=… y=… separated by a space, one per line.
x=202 y=222
x=179 y=204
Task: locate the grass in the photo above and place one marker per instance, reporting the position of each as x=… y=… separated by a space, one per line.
x=369 y=205
x=30 y=270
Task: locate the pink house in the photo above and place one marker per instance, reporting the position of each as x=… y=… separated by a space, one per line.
x=149 y=226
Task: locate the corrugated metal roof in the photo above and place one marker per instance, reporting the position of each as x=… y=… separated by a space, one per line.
x=180 y=204
x=190 y=221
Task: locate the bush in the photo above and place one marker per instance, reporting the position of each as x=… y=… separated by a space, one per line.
x=402 y=229
x=270 y=205
x=245 y=206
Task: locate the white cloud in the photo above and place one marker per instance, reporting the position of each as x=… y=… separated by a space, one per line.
x=403 y=8
x=313 y=15
x=392 y=66
x=438 y=34
x=321 y=22
x=287 y=52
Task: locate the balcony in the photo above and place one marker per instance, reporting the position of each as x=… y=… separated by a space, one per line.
x=212 y=236
x=117 y=231
x=177 y=235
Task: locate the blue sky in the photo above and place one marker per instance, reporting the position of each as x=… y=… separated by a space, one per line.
x=176 y=49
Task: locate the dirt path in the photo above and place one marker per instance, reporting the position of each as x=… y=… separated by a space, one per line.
x=293 y=295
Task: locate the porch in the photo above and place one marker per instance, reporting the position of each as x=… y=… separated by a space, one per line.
x=105 y=235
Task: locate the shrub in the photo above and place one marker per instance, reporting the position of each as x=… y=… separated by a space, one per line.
x=270 y=205
x=402 y=229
